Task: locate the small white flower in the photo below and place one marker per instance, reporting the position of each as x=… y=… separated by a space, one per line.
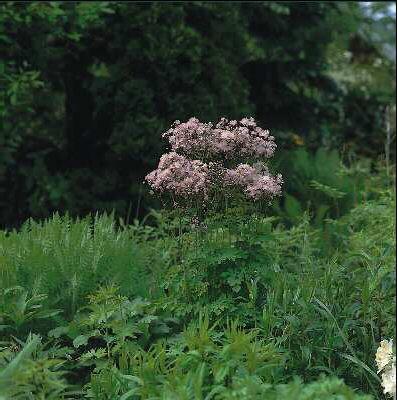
x=386 y=362
x=384 y=354
x=389 y=381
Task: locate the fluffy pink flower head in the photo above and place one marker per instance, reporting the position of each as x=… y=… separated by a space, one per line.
x=191 y=138
x=196 y=165
x=178 y=175
x=265 y=187
x=257 y=183
x=243 y=138
x=230 y=139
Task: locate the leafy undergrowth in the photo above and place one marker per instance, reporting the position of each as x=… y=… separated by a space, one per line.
x=239 y=308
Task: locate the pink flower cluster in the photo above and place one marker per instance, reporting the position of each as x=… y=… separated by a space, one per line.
x=255 y=183
x=180 y=174
x=232 y=139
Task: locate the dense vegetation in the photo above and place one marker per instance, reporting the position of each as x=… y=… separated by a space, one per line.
x=244 y=307
x=90 y=86
x=218 y=278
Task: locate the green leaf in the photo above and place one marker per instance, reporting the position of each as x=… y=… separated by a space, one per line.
x=27 y=350
x=327 y=190
x=57 y=332
x=81 y=340
x=100 y=70
x=358 y=362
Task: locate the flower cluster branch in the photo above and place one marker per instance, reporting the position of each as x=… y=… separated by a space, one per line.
x=206 y=158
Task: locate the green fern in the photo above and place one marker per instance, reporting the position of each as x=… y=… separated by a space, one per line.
x=68 y=259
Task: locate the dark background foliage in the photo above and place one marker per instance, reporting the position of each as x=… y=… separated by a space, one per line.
x=88 y=88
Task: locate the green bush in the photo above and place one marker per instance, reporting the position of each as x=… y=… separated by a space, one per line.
x=65 y=259
x=320 y=184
